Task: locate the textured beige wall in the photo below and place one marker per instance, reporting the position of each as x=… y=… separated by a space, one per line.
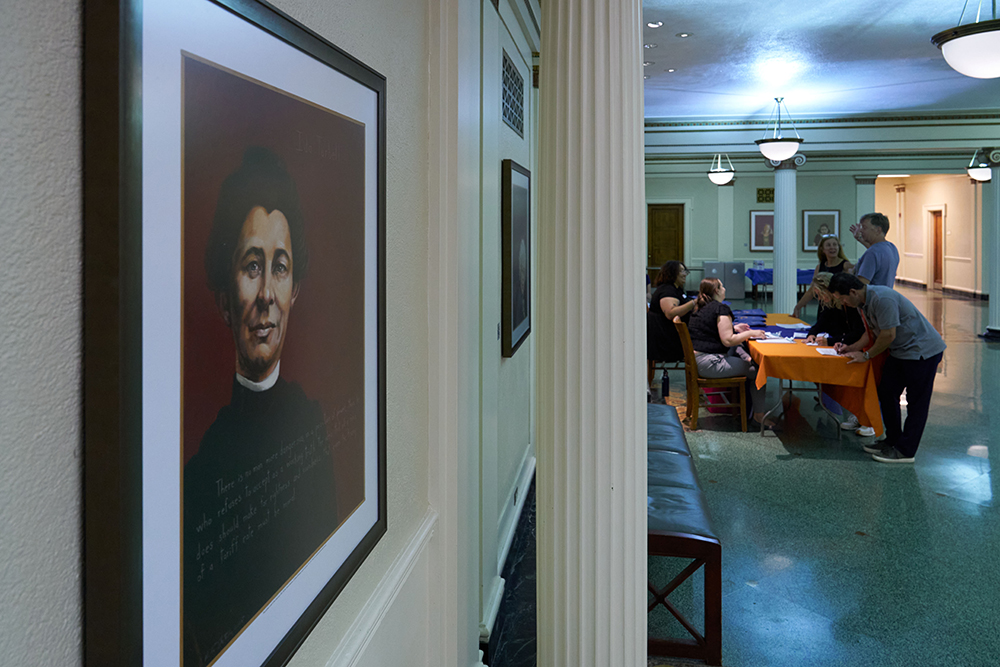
x=40 y=426
x=40 y=285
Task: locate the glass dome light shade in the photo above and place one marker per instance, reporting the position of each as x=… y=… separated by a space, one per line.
x=973 y=49
x=980 y=173
x=778 y=149
x=721 y=177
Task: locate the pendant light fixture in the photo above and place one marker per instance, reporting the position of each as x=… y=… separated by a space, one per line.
x=979 y=170
x=718 y=174
x=778 y=147
x=972 y=49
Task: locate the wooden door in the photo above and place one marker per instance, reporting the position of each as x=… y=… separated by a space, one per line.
x=665 y=239
x=938 y=249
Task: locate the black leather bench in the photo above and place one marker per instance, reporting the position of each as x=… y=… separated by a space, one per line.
x=679 y=526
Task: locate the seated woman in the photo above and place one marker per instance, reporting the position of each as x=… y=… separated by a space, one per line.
x=668 y=301
x=718 y=345
x=831 y=260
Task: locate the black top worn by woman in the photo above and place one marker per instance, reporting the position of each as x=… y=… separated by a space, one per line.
x=839 y=268
x=662 y=343
x=704 y=328
x=842 y=325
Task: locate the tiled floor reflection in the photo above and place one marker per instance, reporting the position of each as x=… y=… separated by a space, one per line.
x=515 y=629
x=832 y=559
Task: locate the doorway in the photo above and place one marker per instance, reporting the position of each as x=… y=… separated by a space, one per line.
x=937 y=231
x=664 y=236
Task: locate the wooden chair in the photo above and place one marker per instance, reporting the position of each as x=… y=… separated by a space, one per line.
x=697 y=386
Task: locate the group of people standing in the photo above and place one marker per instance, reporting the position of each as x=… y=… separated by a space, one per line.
x=860 y=314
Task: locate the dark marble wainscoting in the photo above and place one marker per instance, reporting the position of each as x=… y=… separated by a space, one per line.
x=512 y=643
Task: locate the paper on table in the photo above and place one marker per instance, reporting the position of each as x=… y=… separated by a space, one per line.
x=773 y=340
x=829 y=351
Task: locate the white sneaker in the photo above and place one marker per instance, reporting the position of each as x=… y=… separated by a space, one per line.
x=865 y=431
x=851 y=424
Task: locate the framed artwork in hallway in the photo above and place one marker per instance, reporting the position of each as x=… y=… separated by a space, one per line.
x=762 y=231
x=516 y=258
x=234 y=211
x=817 y=225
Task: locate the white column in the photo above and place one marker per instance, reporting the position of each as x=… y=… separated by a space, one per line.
x=727 y=221
x=785 y=234
x=591 y=532
x=991 y=218
x=864 y=193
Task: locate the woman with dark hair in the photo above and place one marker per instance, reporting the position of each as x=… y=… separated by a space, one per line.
x=668 y=301
x=718 y=344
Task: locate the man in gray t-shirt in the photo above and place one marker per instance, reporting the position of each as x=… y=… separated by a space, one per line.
x=878 y=264
x=914 y=351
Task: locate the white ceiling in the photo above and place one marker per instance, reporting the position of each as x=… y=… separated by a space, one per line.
x=826 y=58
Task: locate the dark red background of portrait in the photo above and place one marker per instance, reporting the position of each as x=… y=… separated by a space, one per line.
x=223 y=115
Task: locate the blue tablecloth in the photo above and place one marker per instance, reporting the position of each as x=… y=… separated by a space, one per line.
x=766 y=276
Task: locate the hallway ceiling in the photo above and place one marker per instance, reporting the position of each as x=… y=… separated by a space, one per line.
x=826 y=58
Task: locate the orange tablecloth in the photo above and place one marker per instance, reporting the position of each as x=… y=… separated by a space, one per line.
x=851 y=385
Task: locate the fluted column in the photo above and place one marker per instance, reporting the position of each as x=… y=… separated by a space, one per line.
x=991 y=218
x=785 y=233
x=591 y=344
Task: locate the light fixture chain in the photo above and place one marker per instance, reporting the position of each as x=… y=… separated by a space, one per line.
x=964 y=7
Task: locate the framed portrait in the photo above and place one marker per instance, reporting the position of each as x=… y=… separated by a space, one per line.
x=762 y=231
x=818 y=224
x=234 y=377
x=516 y=261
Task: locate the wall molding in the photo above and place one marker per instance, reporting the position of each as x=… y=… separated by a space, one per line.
x=964 y=260
x=867 y=121
x=357 y=638
x=510 y=517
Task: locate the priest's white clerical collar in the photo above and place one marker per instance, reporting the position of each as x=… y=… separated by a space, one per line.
x=264 y=384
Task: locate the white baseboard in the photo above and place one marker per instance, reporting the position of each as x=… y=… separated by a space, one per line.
x=512 y=510
x=494 y=597
x=350 y=651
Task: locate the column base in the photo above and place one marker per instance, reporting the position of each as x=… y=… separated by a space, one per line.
x=992 y=335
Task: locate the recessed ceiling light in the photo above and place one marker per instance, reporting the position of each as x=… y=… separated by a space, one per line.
x=893 y=176
x=683 y=34
x=671 y=70
x=654 y=24
x=649 y=46
x=645 y=76
x=647 y=63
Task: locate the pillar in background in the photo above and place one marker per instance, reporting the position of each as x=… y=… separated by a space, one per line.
x=727 y=220
x=785 y=233
x=991 y=219
x=591 y=489
x=864 y=189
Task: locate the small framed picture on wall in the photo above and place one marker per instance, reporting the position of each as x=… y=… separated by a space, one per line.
x=762 y=231
x=816 y=225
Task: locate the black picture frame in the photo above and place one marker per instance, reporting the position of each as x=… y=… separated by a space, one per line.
x=515 y=229
x=133 y=479
x=761 y=231
x=816 y=225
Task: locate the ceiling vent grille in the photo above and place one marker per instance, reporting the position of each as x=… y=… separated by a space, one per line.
x=513 y=96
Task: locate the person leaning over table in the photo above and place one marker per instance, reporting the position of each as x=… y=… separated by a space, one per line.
x=668 y=301
x=718 y=344
x=832 y=260
x=914 y=351
x=839 y=325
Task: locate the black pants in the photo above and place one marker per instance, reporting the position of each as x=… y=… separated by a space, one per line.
x=916 y=376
